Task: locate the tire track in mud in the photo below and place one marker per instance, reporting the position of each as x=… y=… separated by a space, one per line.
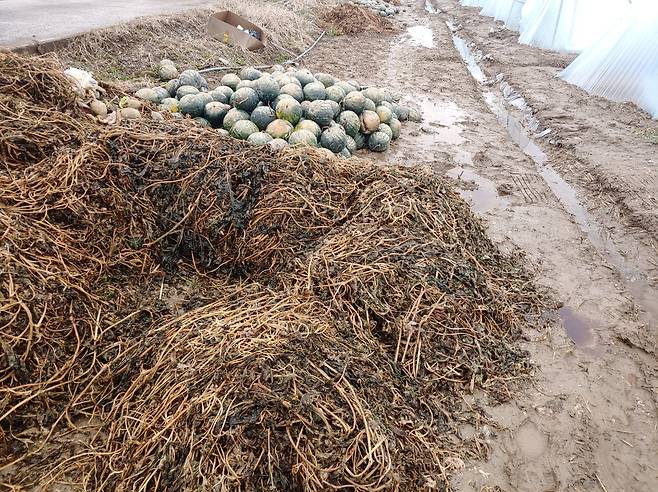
x=582 y=446
x=635 y=279
x=527 y=186
x=601 y=145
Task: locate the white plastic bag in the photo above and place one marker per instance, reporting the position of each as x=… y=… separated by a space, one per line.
x=623 y=64
x=83 y=81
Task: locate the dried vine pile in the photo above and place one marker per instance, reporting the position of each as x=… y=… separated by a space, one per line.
x=180 y=311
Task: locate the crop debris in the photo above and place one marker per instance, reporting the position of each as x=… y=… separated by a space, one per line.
x=184 y=311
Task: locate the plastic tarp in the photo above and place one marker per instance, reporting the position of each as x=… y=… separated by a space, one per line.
x=472 y=3
x=623 y=64
x=569 y=25
x=508 y=11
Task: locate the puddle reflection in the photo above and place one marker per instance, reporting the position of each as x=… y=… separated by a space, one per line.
x=420 y=36
x=577 y=327
x=484 y=196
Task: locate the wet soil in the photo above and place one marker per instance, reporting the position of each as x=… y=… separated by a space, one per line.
x=568 y=180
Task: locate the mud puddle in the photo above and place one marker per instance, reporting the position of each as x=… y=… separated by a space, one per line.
x=465 y=52
x=441 y=122
x=578 y=329
x=479 y=192
x=634 y=280
x=440 y=132
x=419 y=36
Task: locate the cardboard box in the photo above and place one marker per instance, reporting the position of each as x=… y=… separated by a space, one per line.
x=224 y=26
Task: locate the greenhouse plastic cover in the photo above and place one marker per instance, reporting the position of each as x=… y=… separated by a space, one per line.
x=623 y=64
x=508 y=11
x=569 y=25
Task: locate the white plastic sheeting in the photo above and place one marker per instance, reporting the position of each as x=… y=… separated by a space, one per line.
x=569 y=25
x=508 y=11
x=623 y=64
x=472 y=3
x=82 y=81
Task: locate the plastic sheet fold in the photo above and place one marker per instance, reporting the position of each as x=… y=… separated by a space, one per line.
x=569 y=25
x=623 y=64
x=507 y=11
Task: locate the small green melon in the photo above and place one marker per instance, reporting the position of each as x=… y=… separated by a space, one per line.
x=360 y=140
x=259 y=138
x=193 y=78
x=355 y=102
x=289 y=109
x=386 y=129
x=293 y=90
x=147 y=94
x=384 y=113
x=215 y=112
x=379 y=142
x=263 y=116
x=335 y=93
x=311 y=126
x=267 y=88
x=219 y=96
x=303 y=137
x=280 y=129
x=333 y=138
x=250 y=73
x=350 y=121
x=326 y=79
x=396 y=128
x=232 y=116
x=185 y=90
x=191 y=105
x=346 y=87
x=314 y=91
x=304 y=76
x=322 y=112
x=231 y=80
x=226 y=90
x=242 y=129
x=245 y=99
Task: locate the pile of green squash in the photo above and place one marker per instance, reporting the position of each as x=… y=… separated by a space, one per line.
x=286 y=107
x=379 y=7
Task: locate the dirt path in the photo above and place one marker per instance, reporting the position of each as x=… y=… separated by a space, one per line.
x=580 y=203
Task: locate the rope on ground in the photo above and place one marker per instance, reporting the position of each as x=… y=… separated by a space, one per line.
x=292 y=61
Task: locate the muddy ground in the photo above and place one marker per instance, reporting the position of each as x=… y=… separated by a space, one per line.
x=569 y=180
